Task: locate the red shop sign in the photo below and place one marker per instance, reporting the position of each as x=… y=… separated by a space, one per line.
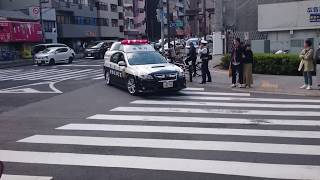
x=14 y=31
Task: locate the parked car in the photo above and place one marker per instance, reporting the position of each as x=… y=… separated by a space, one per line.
x=40 y=47
x=55 y=55
x=96 y=49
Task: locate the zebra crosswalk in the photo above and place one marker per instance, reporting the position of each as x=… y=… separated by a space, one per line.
x=209 y=123
x=52 y=74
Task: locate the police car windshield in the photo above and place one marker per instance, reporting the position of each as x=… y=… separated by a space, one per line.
x=143 y=58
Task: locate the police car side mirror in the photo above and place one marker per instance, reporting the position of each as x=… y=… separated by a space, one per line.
x=122 y=63
x=108 y=49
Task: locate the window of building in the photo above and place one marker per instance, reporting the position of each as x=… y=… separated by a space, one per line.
x=120 y=2
x=48 y=26
x=113 y=7
x=121 y=29
x=102 y=6
x=114 y=22
x=120 y=15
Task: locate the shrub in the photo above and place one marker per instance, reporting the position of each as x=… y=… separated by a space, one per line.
x=275 y=64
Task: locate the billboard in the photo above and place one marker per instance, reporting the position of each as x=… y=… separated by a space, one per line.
x=289 y=16
x=15 y=31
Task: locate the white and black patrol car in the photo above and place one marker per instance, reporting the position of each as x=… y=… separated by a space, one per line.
x=137 y=66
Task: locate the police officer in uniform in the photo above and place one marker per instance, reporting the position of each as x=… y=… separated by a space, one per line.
x=204 y=56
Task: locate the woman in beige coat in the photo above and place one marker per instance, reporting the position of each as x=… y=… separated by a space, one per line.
x=306 y=64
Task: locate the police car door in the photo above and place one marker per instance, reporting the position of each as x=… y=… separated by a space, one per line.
x=115 y=69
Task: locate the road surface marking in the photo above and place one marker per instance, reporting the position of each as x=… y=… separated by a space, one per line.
x=25 y=90
x=218 y=111
x=44 y=74
x=223 y=104
x=98 y=78
x=176 y=144
x=192 y=130
x=280 y=171
x=66 y=75
x=20 y=177
x=206 y=120
x=193 y=89
x=80 y=65
x=88 y=74
x=214 y=93
x=26 y=73
x=208 y=98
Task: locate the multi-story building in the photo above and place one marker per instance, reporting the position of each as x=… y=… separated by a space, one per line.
x=76 y=21
x=194 y=14
x=134 y=18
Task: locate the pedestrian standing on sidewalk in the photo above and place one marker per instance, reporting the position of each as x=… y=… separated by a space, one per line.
x=317 y=59
x=306 y=64
x=204 y=56
x=236 y=63
x=247 y=66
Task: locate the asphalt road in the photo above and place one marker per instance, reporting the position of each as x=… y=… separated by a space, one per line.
x=79 y=129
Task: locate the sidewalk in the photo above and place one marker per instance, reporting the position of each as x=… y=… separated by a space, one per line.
x=272 y=84
x=25 y=62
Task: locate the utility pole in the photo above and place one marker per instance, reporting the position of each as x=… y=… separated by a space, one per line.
x=41 y=19
x=168 y=21
x=204 y=18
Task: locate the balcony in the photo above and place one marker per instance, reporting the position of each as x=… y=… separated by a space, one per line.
x=128 y=3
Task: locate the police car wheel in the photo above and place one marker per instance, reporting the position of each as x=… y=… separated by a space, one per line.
x=131 y=86
x=107 y=78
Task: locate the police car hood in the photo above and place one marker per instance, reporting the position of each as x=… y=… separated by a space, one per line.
x=155 y=68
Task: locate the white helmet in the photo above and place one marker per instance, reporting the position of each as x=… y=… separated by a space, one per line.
x=204 y=42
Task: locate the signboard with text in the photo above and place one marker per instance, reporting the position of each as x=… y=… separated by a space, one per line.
x=14 y=31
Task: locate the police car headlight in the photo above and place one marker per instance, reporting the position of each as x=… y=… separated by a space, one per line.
x=147 y=77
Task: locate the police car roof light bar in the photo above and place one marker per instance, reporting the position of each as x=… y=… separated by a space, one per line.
x=134 y=42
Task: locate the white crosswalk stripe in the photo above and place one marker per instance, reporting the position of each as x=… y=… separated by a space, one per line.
x=176 y=144
x=223 y=104
x=52 y=74
x=217 y=111
x=187 y=119
x=21 y=177
x=263 y=170
x=238 y=124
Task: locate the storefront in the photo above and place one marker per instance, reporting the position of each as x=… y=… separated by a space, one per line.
x=290 y=24
x=17 y=38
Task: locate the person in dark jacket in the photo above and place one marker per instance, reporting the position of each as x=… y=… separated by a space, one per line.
x=236 y=63
x=247 y=66
x=192 y=56
x=317 y=59
x=204 y=56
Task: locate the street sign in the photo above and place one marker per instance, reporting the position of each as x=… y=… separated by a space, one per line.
x=179 y=23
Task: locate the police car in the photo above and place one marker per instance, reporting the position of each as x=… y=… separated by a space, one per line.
x=137 y=66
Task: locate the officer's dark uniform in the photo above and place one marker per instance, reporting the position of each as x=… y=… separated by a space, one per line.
x=204 y=56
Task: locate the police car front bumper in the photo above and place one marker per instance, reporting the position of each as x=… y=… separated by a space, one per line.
x=144 y=85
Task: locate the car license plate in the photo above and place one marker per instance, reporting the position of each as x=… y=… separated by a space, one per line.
x=167 y=84
x=89 y=54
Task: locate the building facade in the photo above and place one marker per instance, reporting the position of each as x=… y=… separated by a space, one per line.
x=18 y=33
x=302 y=21
x=75 y=22
x=134 y=18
